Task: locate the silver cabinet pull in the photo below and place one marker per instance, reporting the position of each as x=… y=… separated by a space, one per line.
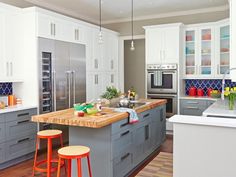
x=54 y=29
x=7 y=66
x=112 y=78
x=192 y=102
x=192 y=107
x=96 y=79
x=96 y=63
x=68 y=85
x=51 y=27
x=11 y=68
x=218 y=69
x=112 y=64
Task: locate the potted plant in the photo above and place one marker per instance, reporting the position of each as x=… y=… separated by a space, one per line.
x=112 y=94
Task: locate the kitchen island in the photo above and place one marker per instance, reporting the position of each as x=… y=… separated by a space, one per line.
x=117 y=147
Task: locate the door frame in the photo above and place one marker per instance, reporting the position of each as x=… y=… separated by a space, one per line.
x=122 y=39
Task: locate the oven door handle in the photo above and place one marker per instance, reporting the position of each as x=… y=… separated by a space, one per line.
x=162 y=96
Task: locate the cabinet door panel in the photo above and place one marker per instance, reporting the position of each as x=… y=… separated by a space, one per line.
x=45 y=26
x=2 y=152
x=2 y=132
x=94 y=86
x=171 y=44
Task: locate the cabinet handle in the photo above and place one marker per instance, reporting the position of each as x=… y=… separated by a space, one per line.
x=162 y=115
x=192 y=107
x=192 y=102
x=77 y=34
x=146 y=132
x=24 y=121
x=218 y=69
x=7 y=66
x=146 y=115
x=11 y=68
x=51 y=27
x=22 y=140
x=112 y=64
x=96 y=63
x=125 y=133
x=96 y=79
x=164 y=54
x=125 y=156
x=23 y=114
x=123 y=125
x=112 y=78
x=54 y=29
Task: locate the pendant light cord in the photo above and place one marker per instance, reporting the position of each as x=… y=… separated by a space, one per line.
x=132 y=18
x=100 y=14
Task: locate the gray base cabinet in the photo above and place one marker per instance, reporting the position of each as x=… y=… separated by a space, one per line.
x=118 y=148
x=17 y=135
x=194 y=107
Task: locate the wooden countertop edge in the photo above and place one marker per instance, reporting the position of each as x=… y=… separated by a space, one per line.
x=96 y=122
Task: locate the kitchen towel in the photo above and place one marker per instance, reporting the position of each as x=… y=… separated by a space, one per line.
x=133 y=116
x=157 y=78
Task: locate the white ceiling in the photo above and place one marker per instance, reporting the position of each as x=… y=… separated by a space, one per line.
x=119 y=10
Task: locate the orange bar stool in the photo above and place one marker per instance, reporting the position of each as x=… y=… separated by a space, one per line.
x=74 y=152
x=49 y=135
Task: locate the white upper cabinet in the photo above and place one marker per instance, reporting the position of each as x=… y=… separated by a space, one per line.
x=233 y=38
x=206 y=50
x=163 y=43
x=10 y=47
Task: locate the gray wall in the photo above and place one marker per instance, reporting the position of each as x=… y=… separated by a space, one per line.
x=134 y=67
x=125 y=28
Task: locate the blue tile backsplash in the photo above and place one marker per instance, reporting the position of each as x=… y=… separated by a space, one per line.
x=6 y=88
x=207 y=83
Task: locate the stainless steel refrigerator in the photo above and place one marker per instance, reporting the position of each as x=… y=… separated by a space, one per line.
x=62 y=78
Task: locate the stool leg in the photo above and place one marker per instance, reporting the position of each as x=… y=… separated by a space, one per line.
x=49 y=158
x=61 y=142
x=79 y=167
x=89 y=166
x=69 y=168
x=35 y=155
x=59 y=167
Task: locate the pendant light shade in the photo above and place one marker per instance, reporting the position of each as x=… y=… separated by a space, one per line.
x=132 y=48
x=100 y=38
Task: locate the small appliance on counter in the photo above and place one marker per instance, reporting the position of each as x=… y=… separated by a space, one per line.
x=192 y=91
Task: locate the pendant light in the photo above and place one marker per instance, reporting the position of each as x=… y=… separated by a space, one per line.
x=100 y=39
x=132 y=48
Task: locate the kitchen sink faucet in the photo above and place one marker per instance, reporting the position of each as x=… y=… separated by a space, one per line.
x=223 y=82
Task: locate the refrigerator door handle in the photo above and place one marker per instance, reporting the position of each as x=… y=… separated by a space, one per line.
x=68 y=80
x=54 y=90
x=73 y=74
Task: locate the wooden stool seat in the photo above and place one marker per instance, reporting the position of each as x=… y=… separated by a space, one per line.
x=49 y=133
x=75 y=151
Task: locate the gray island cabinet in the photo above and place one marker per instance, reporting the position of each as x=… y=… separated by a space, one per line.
x=117 y=149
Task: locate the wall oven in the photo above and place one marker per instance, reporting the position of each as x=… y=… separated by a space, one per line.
x=171 y=105
x=162 y=78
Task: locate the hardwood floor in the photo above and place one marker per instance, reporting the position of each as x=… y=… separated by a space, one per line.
x=24 y=169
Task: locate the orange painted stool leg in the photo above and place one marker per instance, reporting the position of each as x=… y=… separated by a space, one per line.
x=49 y=158
x=69 y=168
x=35 y=156
x=59 y=167
x=79 y=167
x=89 y=167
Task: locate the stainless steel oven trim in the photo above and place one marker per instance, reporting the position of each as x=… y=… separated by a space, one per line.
x=170 y=96
x=151 y=90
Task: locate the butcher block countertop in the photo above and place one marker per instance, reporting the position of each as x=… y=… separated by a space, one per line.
x=67 y=117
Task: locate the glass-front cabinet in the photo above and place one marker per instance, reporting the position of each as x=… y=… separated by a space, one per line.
x=223 y=48
x=190 y=48
x=207 y=50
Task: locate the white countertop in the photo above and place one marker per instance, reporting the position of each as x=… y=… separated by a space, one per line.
x=198 y=97
x=200 y=120
x=16 y=108
x=220 y=109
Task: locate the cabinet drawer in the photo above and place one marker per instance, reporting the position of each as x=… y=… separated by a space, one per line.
x=121 y=125
x=195 y=111
x=20 y=146
x=20 y=114
x=193 y=103
x=22 y=126
x=123 y=163
x=2 y=152
x=121 y=141
x=2 y=118
x=146 y=115
x=2 y=132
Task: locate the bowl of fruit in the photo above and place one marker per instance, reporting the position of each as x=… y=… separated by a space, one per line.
x=215 y=94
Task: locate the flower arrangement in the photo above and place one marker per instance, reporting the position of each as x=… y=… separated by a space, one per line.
x=231 y=94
